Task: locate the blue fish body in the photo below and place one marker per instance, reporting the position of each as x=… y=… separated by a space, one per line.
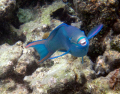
x=64 y=38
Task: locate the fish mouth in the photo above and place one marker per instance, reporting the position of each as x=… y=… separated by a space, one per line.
x=83 y=42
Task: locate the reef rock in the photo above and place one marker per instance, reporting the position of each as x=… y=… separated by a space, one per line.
x=63 y=76
x=116 y=26
x=105 y=85
x=6 y=8
x=17 y=59
x=9 y=86
x=108 y=62
x=9 y=56
x=96 y=11
x=26 y=64
x=110 y=59
x=115 y=43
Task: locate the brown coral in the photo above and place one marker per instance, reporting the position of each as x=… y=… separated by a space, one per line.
x=113 y=79
x=45 y=36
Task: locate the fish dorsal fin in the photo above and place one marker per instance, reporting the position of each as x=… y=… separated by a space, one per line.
x=94 y=31
x=53 y=33
x=60 y=55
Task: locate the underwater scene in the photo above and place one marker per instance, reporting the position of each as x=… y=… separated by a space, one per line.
x=59 y=46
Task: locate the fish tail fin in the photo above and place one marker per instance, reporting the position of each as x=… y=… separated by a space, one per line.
x=41 y=49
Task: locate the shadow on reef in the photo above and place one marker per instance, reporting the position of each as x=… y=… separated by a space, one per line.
x=18 y=80
x=11 y=75
x=72 y=87
x=64 y=16
x=115 y=64
x=7 y=36
x=95 y=51
x=69 y=88
x=33 y=3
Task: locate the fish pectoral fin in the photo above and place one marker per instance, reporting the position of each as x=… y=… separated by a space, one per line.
x=60 y=55
x=94 y=31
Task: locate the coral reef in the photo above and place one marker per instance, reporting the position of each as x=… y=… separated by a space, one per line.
x=108 y=62
x=16 y=59
x=23 y=21
x=25 y=15
x=26 y=63
x=113 y=79
x=57 y=77
x=104 y=85
x=115 y=43
x=101 y=10
x=116 y=26
x=45 y=17
x=8 y=57
x=45 y=36
x=9 y=86
x=6 y=8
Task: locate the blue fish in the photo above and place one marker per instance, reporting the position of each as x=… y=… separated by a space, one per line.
x=65 y=38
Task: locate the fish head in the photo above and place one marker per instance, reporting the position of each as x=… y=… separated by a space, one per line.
x=80 y=41
x=80 y=47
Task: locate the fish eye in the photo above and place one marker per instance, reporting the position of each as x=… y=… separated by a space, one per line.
x=82 y=41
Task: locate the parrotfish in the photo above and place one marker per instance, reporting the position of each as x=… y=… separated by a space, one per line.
x=65 y=38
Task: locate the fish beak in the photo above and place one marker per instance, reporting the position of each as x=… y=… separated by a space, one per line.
x=83 y=42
